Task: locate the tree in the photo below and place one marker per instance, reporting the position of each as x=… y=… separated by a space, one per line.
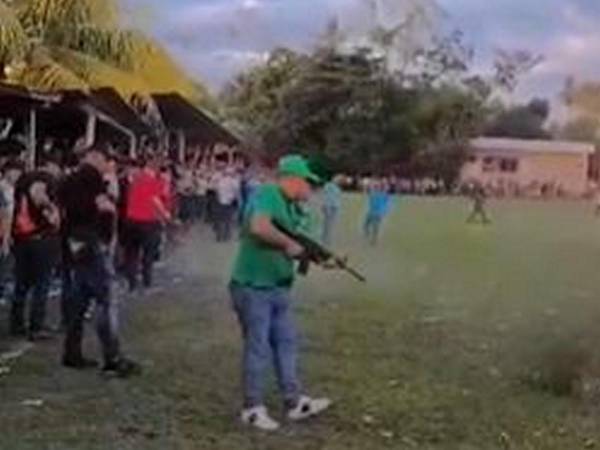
x=510 y=66
x=253 y=100
x=582 y=128
x=344 y=108
x=400 y=98
x=81 y=44
x=523 y=122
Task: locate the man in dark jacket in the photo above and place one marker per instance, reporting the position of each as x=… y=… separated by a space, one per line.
x=89 y=228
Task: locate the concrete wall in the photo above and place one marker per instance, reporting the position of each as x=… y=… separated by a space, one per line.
x=567 y=170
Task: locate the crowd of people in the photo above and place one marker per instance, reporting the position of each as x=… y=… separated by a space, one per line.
x=79 y=229
x=95 y=228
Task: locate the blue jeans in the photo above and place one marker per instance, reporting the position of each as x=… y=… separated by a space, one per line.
x=329 y=219
x=372 y=227
x=92 y=280
x=269 y=333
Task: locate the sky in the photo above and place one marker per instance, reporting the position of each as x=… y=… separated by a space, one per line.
x=214 y=39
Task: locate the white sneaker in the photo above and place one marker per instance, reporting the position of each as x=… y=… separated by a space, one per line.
x=258 y=417
x=308 y=407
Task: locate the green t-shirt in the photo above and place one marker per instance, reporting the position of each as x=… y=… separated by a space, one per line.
x=259 y=264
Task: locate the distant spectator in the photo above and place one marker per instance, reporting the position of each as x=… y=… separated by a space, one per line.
x=379 y=202
x=332 y=200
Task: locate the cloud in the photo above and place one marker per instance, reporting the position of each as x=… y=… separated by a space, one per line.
x=216 y=38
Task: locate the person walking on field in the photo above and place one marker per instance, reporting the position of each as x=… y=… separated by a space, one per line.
x=478 y=213
x=262 y=279
x=332 y=199
x=147 y=209
x=379 y=202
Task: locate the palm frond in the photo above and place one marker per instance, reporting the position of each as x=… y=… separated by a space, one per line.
x=163 y=74
x=113 y=45
x=13 y=40
x=42 y=17
x=97 y=73
x=43 y=73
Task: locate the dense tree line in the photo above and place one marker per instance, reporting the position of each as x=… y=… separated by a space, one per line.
x=349 y=108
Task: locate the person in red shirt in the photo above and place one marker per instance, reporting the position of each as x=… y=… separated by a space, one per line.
x=145 y=213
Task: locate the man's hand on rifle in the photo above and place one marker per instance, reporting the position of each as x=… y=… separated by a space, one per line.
x=293 y=249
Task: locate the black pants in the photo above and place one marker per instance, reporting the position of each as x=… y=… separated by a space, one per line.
x=67 y=280
x=224 y=218
x=92 y=280
x=142 y=243
x=211 y=202
x=35 y=260
x=186 y=208
x=199 y=202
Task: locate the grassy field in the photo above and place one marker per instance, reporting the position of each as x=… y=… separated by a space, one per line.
x=465 y=337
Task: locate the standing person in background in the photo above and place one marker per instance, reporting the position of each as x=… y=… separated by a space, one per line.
x=251 y=181
x=35 y=235
x=379 y=202
x=185 y=193
x=479 y=199
x=169 y=233
x=11 y=174
x=597 y=201
x=89 y=229
x=147 y=209
x=332 y=198
x=228 y=194
x=260 y=287
x=200 y=193
x=211 y=195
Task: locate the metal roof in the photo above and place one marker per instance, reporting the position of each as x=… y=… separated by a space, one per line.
x=491 y=145
x=179 y=114
x=16 y=97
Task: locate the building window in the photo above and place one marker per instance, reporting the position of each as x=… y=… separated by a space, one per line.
x=489 y=164
x=509 y=165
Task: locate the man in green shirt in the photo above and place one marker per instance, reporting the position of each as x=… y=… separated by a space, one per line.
x=260 y=286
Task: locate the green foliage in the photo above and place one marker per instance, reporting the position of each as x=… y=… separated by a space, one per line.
x=65 y=44
x=398 y=97
x=582 y=128
x=523 y=121
x=347 y=108
x=13 y=40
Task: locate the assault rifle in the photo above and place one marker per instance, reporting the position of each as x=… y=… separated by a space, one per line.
x=316 y=253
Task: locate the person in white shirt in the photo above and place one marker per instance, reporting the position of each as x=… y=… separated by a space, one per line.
x=228 y=194
x=12 y=172
x=213 y=178
x=185 y=190
x=200 y=194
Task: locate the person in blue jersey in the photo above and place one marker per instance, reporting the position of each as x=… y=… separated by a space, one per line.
x=379 y=202
x=332 y=200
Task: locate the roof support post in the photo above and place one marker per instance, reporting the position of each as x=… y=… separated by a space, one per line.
x=180 y=146
x=32 y=138
x=90 y=129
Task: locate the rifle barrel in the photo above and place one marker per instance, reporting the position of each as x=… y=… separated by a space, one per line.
x=356 y=274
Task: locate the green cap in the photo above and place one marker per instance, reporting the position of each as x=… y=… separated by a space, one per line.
x=297 y=166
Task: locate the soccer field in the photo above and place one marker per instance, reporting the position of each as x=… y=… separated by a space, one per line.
x=465 y=337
